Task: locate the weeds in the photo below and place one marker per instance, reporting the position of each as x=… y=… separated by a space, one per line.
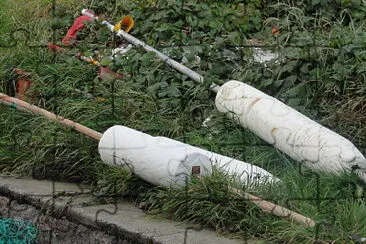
x=321 y=74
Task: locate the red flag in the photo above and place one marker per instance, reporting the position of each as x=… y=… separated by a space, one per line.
x=76 y=26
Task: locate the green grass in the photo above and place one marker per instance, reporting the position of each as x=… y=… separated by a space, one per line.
x=157 y=100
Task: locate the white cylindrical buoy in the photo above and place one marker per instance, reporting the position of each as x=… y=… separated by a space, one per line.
x=158 y=161
x=163 y=161
x=288 y=130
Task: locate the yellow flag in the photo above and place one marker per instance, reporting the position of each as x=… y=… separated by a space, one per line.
x=126 y=23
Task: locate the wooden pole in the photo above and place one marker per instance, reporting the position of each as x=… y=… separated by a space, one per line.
x=24 y=106
x=275 y=209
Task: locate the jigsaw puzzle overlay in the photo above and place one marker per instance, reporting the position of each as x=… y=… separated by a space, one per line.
x=287 y=135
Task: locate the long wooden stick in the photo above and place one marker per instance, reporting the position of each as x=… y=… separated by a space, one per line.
x=24 y=106
x=275 y=209
x=262 y=204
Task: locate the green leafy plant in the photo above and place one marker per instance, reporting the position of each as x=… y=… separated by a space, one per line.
x=320 y=72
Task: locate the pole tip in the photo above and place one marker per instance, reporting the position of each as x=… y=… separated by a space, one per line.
x=87 y=12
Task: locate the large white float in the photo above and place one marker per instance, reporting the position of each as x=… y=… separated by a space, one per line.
x=288 y=130
x=166 y=162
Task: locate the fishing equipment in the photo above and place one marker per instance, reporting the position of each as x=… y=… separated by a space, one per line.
x=288 y=130
x=158 y=160
x=132 y=145
x=17 y=231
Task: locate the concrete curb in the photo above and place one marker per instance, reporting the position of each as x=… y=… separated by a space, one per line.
x=121 y=222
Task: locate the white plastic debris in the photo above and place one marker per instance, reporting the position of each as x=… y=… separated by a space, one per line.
x=163 y=161
x=288 y=130
x=261 y=55
x=121 y=51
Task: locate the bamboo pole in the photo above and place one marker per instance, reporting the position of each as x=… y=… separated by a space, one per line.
x=275 y=209
x=24 y=106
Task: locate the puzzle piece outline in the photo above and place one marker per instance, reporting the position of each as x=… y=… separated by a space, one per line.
x=189 y=228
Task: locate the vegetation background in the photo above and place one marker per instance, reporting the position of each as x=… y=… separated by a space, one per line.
x=322 y=74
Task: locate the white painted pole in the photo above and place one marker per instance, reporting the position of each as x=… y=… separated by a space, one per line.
x=171 y=62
